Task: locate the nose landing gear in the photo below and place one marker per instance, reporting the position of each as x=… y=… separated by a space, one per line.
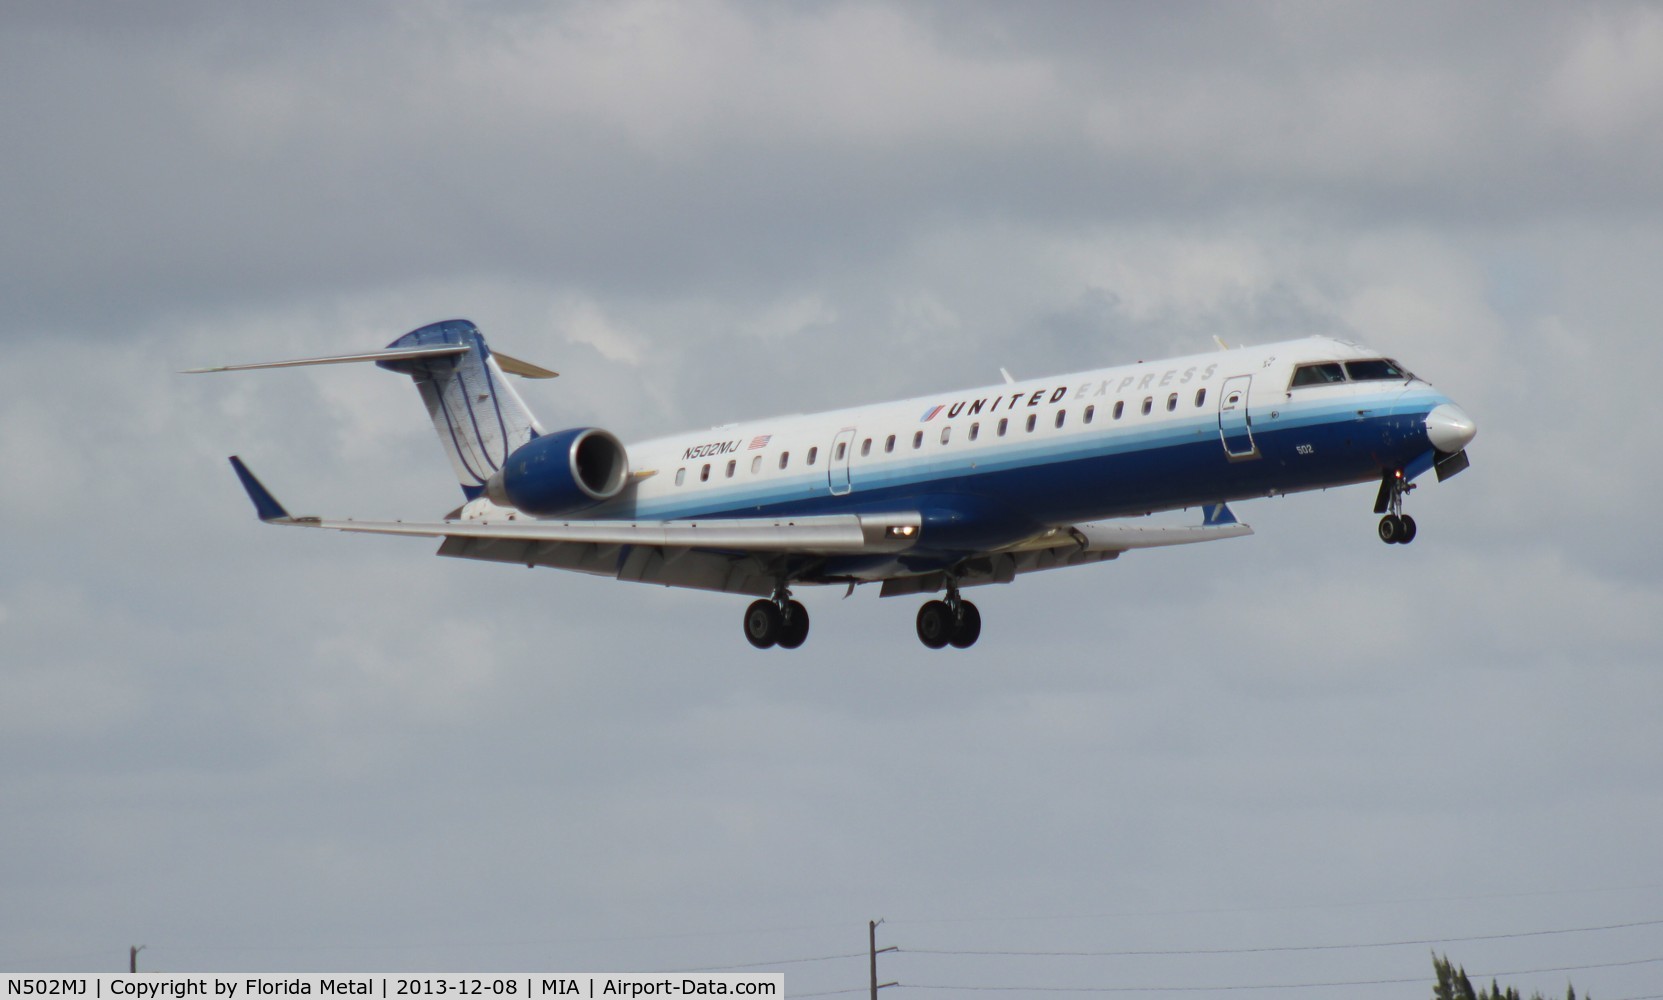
x=1396 y=528
x=954 y=622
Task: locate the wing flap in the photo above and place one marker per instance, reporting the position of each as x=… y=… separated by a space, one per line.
x=1123 y=536
x=837 y=533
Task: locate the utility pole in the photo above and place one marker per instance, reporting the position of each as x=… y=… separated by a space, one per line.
x=873 y=952
x=133 y=957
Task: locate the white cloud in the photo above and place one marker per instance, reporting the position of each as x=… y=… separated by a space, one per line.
x=1608 y=84
x=582 y=321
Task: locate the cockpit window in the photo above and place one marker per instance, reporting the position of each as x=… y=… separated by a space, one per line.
x=1320 y=374
x=1376 y=370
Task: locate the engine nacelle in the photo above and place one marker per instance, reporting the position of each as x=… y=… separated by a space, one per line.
x=562 y=472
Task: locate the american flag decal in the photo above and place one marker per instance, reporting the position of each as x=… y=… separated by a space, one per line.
x=930 y=413
x=760 y=441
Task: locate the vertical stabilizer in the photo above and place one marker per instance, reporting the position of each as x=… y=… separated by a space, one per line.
x=479 y=416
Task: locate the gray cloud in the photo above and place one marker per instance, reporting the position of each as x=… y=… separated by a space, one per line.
x=250 y=750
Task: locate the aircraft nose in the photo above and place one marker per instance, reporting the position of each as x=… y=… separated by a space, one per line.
x=1450 y=428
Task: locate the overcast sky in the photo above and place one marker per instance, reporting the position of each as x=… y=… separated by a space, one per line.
x=260 y=750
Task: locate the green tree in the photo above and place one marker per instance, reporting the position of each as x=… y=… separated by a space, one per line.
x=1453 y=984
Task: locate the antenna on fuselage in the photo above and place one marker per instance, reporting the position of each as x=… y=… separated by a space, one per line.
x=1008 y=379
x=1220 y=342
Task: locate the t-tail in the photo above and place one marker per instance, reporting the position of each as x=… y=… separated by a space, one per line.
x=479 y=416
x=480 y=419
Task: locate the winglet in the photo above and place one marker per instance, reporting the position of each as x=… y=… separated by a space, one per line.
x=265 y=505
x=1217 y=513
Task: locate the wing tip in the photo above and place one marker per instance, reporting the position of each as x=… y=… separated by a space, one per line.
x=265 y=505
x=1215 y=514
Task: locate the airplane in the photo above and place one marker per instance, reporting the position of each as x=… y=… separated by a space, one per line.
x=928 y=495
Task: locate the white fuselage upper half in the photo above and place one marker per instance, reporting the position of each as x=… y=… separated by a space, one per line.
x=982 y=441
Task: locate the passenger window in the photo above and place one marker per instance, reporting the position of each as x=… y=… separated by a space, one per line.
x=733 y=463
x=704 y=474
x=785 y=458
x=1031 y=420
x=1148 y=405
x=1088 y=414
x=889 y=444
x=837 y=456
x=1171 y=402
x=1321 y=374
x=813 y=453
x=918 y=439
x=866 y=448
x=1119 y=408
x=1200 y=397
x=975 y=431
x=1062 y=415
x=756 y=464
x=681 y=475
x=946 y=432
x=1003 y=423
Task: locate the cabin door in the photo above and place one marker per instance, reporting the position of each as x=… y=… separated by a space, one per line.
x=1235 y=426
x=837 y=464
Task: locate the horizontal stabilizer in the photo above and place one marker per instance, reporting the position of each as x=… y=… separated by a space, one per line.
x=511 y=365
x=397 y=354
x=524 y=369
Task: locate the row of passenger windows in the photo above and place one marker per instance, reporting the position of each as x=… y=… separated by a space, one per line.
x=1000 y=430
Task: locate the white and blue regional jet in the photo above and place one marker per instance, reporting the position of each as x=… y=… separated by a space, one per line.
x=923 y=496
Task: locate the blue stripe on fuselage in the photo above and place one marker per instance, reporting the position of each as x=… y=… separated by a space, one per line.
x=1304 y=444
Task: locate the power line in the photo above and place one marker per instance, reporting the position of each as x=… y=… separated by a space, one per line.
x=758 y=965
x=1291 y=907
x=1272 y=986
x=1278 y=948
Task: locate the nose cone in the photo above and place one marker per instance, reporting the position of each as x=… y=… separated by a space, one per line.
x=1450 y=428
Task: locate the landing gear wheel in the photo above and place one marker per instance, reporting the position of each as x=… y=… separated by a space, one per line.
x=969 y=626
x=764 y=623
x=936 y=624
x=1397 y=529
x=794 y=630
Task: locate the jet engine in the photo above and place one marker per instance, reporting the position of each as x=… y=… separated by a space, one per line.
x=561 y=473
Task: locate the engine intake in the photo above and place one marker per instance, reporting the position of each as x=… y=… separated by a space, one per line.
x=562 y=472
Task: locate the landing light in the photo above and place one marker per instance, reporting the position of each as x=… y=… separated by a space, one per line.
x=901 y=531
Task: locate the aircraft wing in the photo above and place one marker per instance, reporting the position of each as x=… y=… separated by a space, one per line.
x=1074 y=545
x=825 y=534
x=739 y=555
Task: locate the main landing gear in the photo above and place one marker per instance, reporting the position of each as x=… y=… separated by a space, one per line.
x=954 y=622
x=776 y=621
x=1396 y=528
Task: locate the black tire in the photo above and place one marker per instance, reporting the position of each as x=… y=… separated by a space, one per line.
x=1391 y=528
x=969 y=626
x=935 y=624
x=763 y=624
x=794 y=630
x=1408 y=530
